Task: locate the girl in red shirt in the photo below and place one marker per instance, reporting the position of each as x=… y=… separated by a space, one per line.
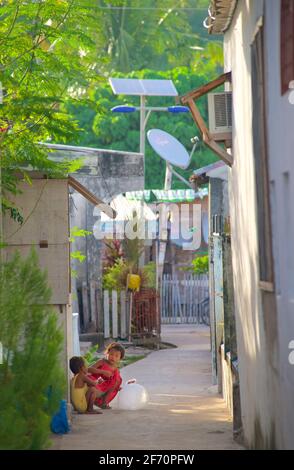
x=108 y=372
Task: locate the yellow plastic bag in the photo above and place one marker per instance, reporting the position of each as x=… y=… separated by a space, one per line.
x=133 y=281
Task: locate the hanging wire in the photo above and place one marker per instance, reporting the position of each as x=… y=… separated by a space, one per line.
x=209 y=17
x=112 y=7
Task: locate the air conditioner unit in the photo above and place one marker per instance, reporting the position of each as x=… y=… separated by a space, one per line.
x=220 y=115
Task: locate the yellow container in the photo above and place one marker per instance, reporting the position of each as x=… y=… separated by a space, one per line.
x=134 y=281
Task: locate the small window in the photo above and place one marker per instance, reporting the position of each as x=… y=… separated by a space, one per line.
x=287 y=44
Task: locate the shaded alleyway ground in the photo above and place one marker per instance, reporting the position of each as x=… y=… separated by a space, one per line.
x=184 y=412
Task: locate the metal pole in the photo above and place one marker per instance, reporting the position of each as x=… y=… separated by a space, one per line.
x=174 y=172
x=142 y=130
x=163 y=237
x=143 y=121
x=157 y=248
x=142 y=125
x=168 y=177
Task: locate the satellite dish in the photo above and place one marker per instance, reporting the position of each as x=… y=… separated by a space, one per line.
x=168 y=148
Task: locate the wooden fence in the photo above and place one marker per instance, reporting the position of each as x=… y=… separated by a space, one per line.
x=185 y=299
x=141 y=306
x=116 y=311
x=89 y=299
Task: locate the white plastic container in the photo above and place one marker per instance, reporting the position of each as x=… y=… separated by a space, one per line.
x=132 y=397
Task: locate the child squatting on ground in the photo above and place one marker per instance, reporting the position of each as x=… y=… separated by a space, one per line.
x=83 y=391
x=107 y=371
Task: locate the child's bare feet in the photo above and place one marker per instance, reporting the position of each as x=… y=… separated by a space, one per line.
x=104 y=406
x=94 y=412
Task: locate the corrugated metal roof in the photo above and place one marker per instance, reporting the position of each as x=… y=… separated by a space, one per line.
x=207 y=168
x=220 y=14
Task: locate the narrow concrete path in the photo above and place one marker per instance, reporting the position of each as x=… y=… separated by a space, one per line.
x=184 y=412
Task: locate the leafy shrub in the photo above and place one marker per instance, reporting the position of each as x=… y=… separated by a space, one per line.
x=77 y=255
x=122 y=259
x=149 y=271
x=200 y=265
x=115 y=277
x=31 y=379
x=113 y=252
x=91 y=355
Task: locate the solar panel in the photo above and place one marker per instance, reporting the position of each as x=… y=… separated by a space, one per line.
x=142 y=87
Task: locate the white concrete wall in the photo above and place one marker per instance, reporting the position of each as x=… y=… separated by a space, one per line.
x=281 y=169
x=259 y=376
x=44 y=206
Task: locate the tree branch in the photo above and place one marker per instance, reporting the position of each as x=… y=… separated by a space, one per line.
x=13 y=22
x=45 y=37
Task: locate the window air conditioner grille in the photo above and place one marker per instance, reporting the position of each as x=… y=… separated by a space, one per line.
x=220 y=112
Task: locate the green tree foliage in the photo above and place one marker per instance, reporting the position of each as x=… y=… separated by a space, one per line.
x=31 y=380
x=47 y=53
x=58 y=51
x=149 y=34
x=152 y=34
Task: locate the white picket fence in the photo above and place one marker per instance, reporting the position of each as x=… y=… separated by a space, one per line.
x=116 y=314
x=182 y=300
x=185 y=299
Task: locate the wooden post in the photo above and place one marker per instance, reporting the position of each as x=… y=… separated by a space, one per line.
x=162 y=299
x=198 y=92
x=100 y=317
x=179 y=299
x=106 y=314
x=123 y=316
x=130 y=316
x=185 y=296
x=94 y=316
x=114 y=314
x=174 y=314
x=86 y=310
x=206 y=136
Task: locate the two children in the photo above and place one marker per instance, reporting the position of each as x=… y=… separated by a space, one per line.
x=102 y=385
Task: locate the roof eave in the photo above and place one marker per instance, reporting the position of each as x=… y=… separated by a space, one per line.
x=221 y=13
